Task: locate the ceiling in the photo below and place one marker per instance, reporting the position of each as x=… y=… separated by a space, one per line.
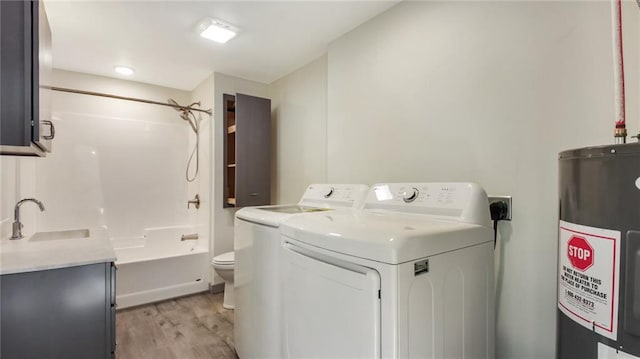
x=156 y=38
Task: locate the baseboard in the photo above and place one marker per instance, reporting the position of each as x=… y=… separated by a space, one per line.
x=156 y=295
x=216 y=288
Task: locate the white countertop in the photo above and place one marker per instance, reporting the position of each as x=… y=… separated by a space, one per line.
x=23 y=255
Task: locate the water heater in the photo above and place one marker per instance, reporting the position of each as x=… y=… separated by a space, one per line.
x=599 y=253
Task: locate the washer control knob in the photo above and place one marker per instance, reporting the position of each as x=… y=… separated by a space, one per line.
x=410 y=195
x=330 y=193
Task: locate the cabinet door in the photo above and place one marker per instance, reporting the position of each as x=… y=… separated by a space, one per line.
x=16 y=76
x=57 y=313
x=43 y=132
x=26 y=60
x=253 y=151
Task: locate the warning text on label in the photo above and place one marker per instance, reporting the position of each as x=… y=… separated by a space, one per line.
x=588 y=276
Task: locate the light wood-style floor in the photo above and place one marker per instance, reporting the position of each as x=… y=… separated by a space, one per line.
x=190 y=327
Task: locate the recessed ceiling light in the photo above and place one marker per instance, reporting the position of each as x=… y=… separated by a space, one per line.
x=124 y=70
x=216 y=30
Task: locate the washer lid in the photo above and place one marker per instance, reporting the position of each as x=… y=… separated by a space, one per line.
x=273 y=215
x=224 y=258
x=386 y=237
x=317 y=197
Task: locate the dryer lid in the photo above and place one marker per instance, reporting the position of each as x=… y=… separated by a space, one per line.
x=391 y=238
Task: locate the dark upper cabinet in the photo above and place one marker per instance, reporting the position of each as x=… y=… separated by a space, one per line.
x=25 y=79
x=247 y=157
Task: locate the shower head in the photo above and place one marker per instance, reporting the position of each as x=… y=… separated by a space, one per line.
x=184 y=113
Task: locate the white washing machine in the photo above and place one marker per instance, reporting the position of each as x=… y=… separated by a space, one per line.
x=409 y=276
x=257 y=327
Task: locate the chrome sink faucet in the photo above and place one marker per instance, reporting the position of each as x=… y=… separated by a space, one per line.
x=17 y=225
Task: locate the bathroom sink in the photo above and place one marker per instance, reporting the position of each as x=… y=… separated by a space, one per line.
x=54 y=235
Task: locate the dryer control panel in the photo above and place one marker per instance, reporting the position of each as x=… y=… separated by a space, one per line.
x=461 y=201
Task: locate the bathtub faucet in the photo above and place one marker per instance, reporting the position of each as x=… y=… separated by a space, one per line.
x=16 y=232
x=189 y=237
x=195 y=201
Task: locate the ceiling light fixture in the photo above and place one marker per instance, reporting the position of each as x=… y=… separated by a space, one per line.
x=124 y=70
x=216 y=30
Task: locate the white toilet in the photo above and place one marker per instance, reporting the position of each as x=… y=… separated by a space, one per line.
x=223 y=264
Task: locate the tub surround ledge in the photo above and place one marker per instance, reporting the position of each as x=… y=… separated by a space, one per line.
x=24 y=255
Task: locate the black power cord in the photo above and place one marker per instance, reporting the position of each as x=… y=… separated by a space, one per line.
x=499 y=212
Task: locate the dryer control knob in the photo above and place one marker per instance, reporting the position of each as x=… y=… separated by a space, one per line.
x=329 y=194
x=410 y=195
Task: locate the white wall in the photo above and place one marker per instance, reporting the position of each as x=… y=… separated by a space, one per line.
x=299 y=132
x=204 y=93
x=223 y=217
x=488 y=92
x=17 y=176
x=8 y=193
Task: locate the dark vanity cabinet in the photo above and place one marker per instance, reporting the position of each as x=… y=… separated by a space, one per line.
x=25 y=79
x=59 y=313
x=247 y=150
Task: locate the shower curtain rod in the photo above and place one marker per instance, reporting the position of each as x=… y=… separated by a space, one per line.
x=91 y=93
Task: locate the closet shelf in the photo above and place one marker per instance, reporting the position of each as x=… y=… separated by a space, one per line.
x=231 y=165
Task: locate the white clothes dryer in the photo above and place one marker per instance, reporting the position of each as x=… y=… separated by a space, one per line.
x=257 y=326
x=409 y=276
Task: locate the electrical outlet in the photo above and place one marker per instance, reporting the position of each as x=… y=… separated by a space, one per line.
x=506 y=199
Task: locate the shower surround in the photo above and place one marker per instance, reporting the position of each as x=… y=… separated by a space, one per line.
x=121 y=165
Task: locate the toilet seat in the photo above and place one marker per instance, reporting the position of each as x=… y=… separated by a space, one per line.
x=224 y=259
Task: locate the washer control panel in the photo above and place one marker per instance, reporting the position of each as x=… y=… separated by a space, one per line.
x=330 y=192
x=410 y=195
x=334 y=194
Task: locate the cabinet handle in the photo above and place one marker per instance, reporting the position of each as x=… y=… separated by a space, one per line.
x=254 y=194
x=52 y=134
x=113 y=284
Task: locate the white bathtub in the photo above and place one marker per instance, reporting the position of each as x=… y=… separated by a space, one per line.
x=160 y=266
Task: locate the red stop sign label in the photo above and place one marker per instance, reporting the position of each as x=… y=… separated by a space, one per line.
x=580 y=253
